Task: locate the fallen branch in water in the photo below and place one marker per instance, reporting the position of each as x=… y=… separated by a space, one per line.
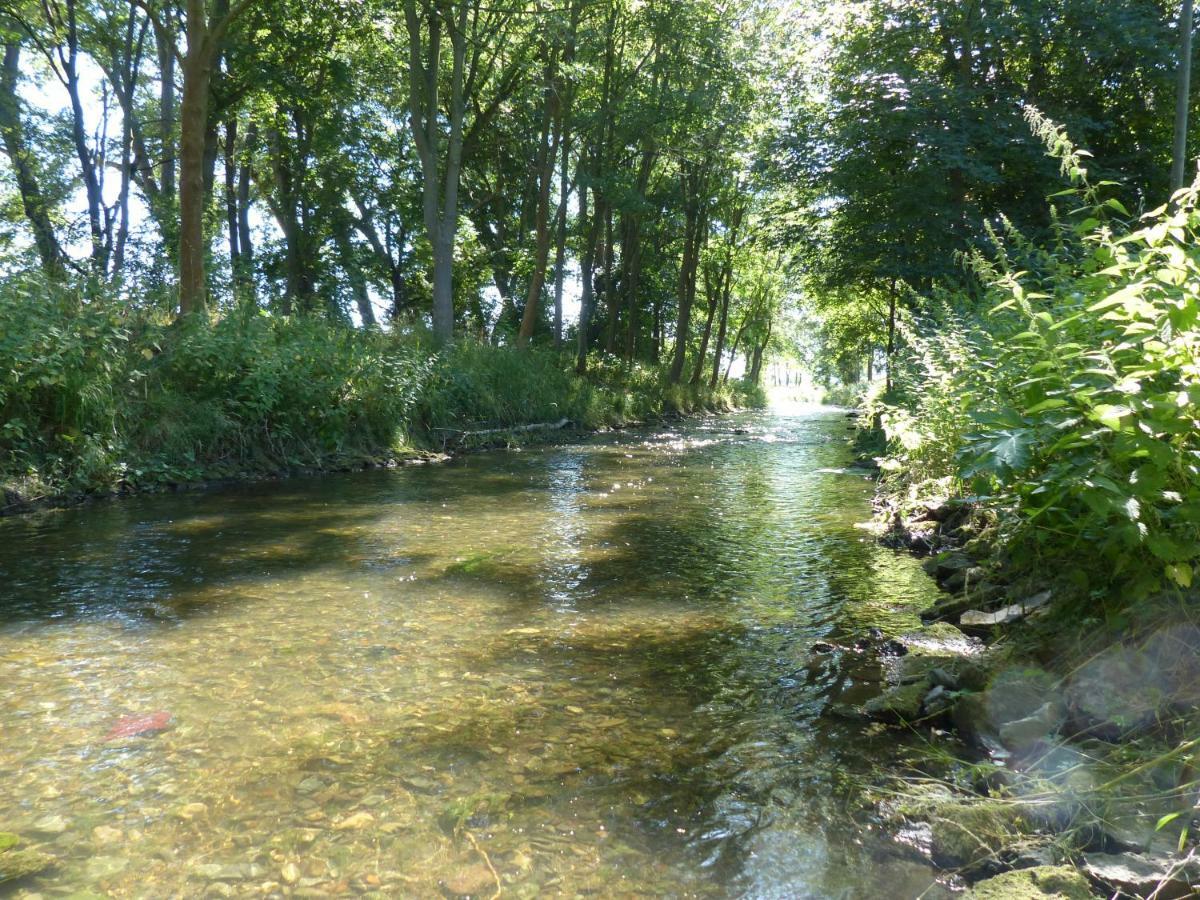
x=463 y=436
x=487 y=860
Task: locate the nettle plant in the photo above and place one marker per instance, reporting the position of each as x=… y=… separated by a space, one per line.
x=1085 y=390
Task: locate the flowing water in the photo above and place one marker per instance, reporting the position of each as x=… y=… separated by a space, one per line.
x=577 y=670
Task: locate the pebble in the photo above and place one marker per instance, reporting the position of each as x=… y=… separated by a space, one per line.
x=310 y=785
x=106 y=834
x=50 y=825
x=100 y=867
x=355 y=822
x=471 y=881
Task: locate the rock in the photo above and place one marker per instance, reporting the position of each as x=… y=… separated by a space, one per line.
x=1166 y=876
x=1115 y=694
x=1032 y=854
x=940 y=638
x=421 y=784
x=1038 y=883
x=1012 y=712
x=290 y=873
x=824 y=647
x=965 y=833
x=51 y=825
x=946 y=564
x=982 y=623
x=472 y=881
x=939 y=677
x=964 y=579
x=99 y=868
x=1022 y=734
x=16 y=864
x=355 y=822
x=189 y=811
x=310 y=785
x=897 y=705
x=106 y=834
x=950 y=608
x=1176 y=650
x=937 y=702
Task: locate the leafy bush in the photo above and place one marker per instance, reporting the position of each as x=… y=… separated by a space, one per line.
x=1073 y=408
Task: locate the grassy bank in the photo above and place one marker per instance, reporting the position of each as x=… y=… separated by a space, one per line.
x=98 y=396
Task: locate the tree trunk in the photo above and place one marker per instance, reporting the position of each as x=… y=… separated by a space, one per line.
x=891 y=342
x=33 y=203
x=166 y=108
x=65 y=64
x=696 y=225
x=193 y=119
x=587 y=265
x=547 y=156
x=714 y=293
x=231 y=210
x=439 y=188
x=245 y=271
x=737 y=340
x=354 y=273
x=564 y=183
x=1182 y=98
x=560 y=252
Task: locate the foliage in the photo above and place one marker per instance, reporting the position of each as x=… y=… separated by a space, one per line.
x=904 y=143
x=97 y=395
x=1072 y=407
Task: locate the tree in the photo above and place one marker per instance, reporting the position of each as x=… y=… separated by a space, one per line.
x=1183 y=96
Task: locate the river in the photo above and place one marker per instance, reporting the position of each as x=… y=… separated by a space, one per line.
x=584 y=669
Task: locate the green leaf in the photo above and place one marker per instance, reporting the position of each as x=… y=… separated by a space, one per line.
x=1167 y=820
x=1046 y=405
x=1110 y=415
x=1181 y=574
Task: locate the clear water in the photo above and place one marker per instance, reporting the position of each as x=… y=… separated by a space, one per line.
x=579 y=670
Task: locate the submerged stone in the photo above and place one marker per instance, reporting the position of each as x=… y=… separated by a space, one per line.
x=16 y=864
x=471 y=881
x=50 y=825
x=1038 y=883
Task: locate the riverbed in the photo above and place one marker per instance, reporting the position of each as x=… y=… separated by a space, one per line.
x=578 y=670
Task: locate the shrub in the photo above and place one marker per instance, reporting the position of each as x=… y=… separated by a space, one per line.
x=1072 y=408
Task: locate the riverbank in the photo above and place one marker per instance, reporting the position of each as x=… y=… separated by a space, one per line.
x=101 y=401
x=1062 y=740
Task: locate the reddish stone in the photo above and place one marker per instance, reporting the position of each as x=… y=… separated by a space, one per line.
x=132 y=726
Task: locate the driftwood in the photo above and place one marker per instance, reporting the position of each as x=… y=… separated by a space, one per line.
x=463 y=436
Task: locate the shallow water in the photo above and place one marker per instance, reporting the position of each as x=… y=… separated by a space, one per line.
x=579 y=670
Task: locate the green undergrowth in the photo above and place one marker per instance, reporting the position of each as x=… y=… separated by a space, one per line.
x=98 y=395
x=1066 y=402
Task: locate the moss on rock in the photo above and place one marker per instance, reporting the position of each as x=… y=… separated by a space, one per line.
x=1038 y=883
x=16 y=864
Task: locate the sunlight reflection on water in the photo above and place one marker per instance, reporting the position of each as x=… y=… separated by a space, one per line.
x=589 y=662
